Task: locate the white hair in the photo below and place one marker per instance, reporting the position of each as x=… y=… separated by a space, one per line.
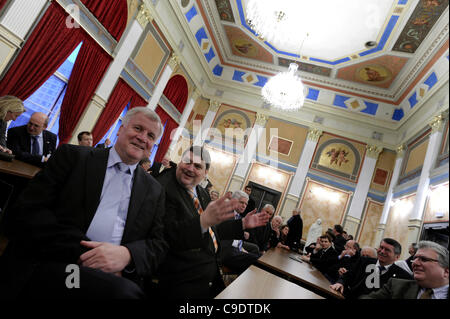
x=239 y=194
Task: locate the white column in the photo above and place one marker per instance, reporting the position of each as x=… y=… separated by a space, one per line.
x=184 y=117
x=305 y=160
x=394 y=181
x=430 y=160
x=201 y=131
x=21 y=15
x=250 y=149
x=165 y=77
x=365 y=178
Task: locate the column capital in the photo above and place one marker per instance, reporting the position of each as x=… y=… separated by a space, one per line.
x=314 y=134
x=400 y=150
x=214 y=105
x=174 y=60
x=437 y=123
x=261 y=119
x=144 y=16
x=373 y=151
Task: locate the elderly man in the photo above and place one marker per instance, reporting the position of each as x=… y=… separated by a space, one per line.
x=32 y=143
x=430 y=268
x=261 y=235
x=93 y=214
x=348 y=257
x=85 y=138
x=295 y=224
x=237 y=254
x=195 y=228
x=369 y=274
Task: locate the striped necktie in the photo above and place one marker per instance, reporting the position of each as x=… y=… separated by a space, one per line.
x=427 y=294
x=199 y=209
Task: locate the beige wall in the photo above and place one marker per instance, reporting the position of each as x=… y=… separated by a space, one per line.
x=437 y=203
x=372 y=215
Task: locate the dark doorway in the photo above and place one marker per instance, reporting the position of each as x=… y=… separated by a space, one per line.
x=263 y=195
x=437 y=232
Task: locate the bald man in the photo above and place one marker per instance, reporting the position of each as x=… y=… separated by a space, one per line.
x=32 y=143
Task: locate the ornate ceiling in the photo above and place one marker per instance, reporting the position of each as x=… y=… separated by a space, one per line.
x=382 y=84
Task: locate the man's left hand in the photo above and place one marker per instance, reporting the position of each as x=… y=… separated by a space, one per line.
x=105 y=256
x=252 y=220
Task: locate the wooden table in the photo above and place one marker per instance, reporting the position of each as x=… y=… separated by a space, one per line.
x=280 y=262
x=256 y=283
x=18 y=168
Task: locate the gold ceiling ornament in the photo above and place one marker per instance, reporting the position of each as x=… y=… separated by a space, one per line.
x=261 y=119
x=437 y=123
x=144 y=16
x=314 y=134
x=214 y=105
x=373 y=151
x=174 y=60
x=401 y=150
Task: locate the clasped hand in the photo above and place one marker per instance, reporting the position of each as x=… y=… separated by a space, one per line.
x=105 y=256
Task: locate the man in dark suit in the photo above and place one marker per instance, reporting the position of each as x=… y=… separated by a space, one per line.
x=191 y=268
x=295 y=224
x=369 y=274
x=158 y=167
x=430 y=268
x=323 y=255
x=251 y=203
x=94 y=211
x=345 y=261
x=261 y=235
x=32 y=143
x=339 y=240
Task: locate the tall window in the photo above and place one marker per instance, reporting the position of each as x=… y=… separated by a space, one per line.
x=48 y=98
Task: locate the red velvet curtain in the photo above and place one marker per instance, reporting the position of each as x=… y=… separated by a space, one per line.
x=112 y=14
x=2 y=3
x=177 y=92
x=120 y=97
x=47 y=48
x=165 y=140
x=90 y=66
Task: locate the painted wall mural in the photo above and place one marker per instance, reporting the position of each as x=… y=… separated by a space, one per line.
x=243 y=45
x=419 y=25
x=225 y=10
x=306 y=67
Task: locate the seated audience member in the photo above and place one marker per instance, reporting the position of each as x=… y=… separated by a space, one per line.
x=284 y=232
x=344 y=261
x=214 y=195
x=234 y=255
x=104 y=145
x=94 y=209
x=274 y=236
x=412 y=249
x=367 y=251
x=345 y=235
x=261 y=235
x=85 y=138
x=195 y=229
x=32 y=143
x=355 y=282
x=349 y=237
x=295 y=224
x=430 y=271
x=339 y=240
x=323 y=255
x=11 y=108
x=145 y=164
x=251 y=203
x=158 y=167
x=310 y=248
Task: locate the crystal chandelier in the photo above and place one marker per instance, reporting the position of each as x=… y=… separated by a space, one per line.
x=280 y=22
x=285 y=90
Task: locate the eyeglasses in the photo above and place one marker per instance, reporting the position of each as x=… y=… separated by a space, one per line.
x=423 y=259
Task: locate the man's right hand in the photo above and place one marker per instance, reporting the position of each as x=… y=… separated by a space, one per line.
x=338 y=287
x=219 y=211
x=342 y=271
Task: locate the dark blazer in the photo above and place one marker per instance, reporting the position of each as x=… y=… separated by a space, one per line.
x=354 y=280
x=294 y=236
x=346 y=262
x=53 y=214
x=19 y=142
x=396 y=289
x=3 y=125
x=251 y=205
x=324 y=259
x=339 y=243
x=191 y=268
x=262 y=235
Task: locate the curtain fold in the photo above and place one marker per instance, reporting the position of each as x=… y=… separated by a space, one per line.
x=90 y=66
x=166 y=138
x=176 y=92
x=120 y=97
x=113 y=15
x=50 y=44
x=2 y=3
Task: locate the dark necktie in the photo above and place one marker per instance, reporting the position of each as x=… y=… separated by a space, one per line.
x=34 y=145
x=428 y=293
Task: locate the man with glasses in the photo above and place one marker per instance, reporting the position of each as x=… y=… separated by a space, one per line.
x=32 y=143
x=370 y=274
x=430 y=269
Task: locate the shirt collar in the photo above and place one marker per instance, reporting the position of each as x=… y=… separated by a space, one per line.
x=385 y=267
x=114 y=158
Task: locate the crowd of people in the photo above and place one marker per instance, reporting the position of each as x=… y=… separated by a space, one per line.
x=134 y=229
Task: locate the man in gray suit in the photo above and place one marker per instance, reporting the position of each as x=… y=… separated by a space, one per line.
x=430 y=268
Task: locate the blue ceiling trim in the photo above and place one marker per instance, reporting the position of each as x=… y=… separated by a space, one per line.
x=370 y=109
x=398 y=114
x=413 y=100
x=431 y=80
x=210 y=55
x=237 y=76
x=339 y=100
x=387 y=32
x=191 y=13
x=313 y=94
x=218 y=69
x=200 y=35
